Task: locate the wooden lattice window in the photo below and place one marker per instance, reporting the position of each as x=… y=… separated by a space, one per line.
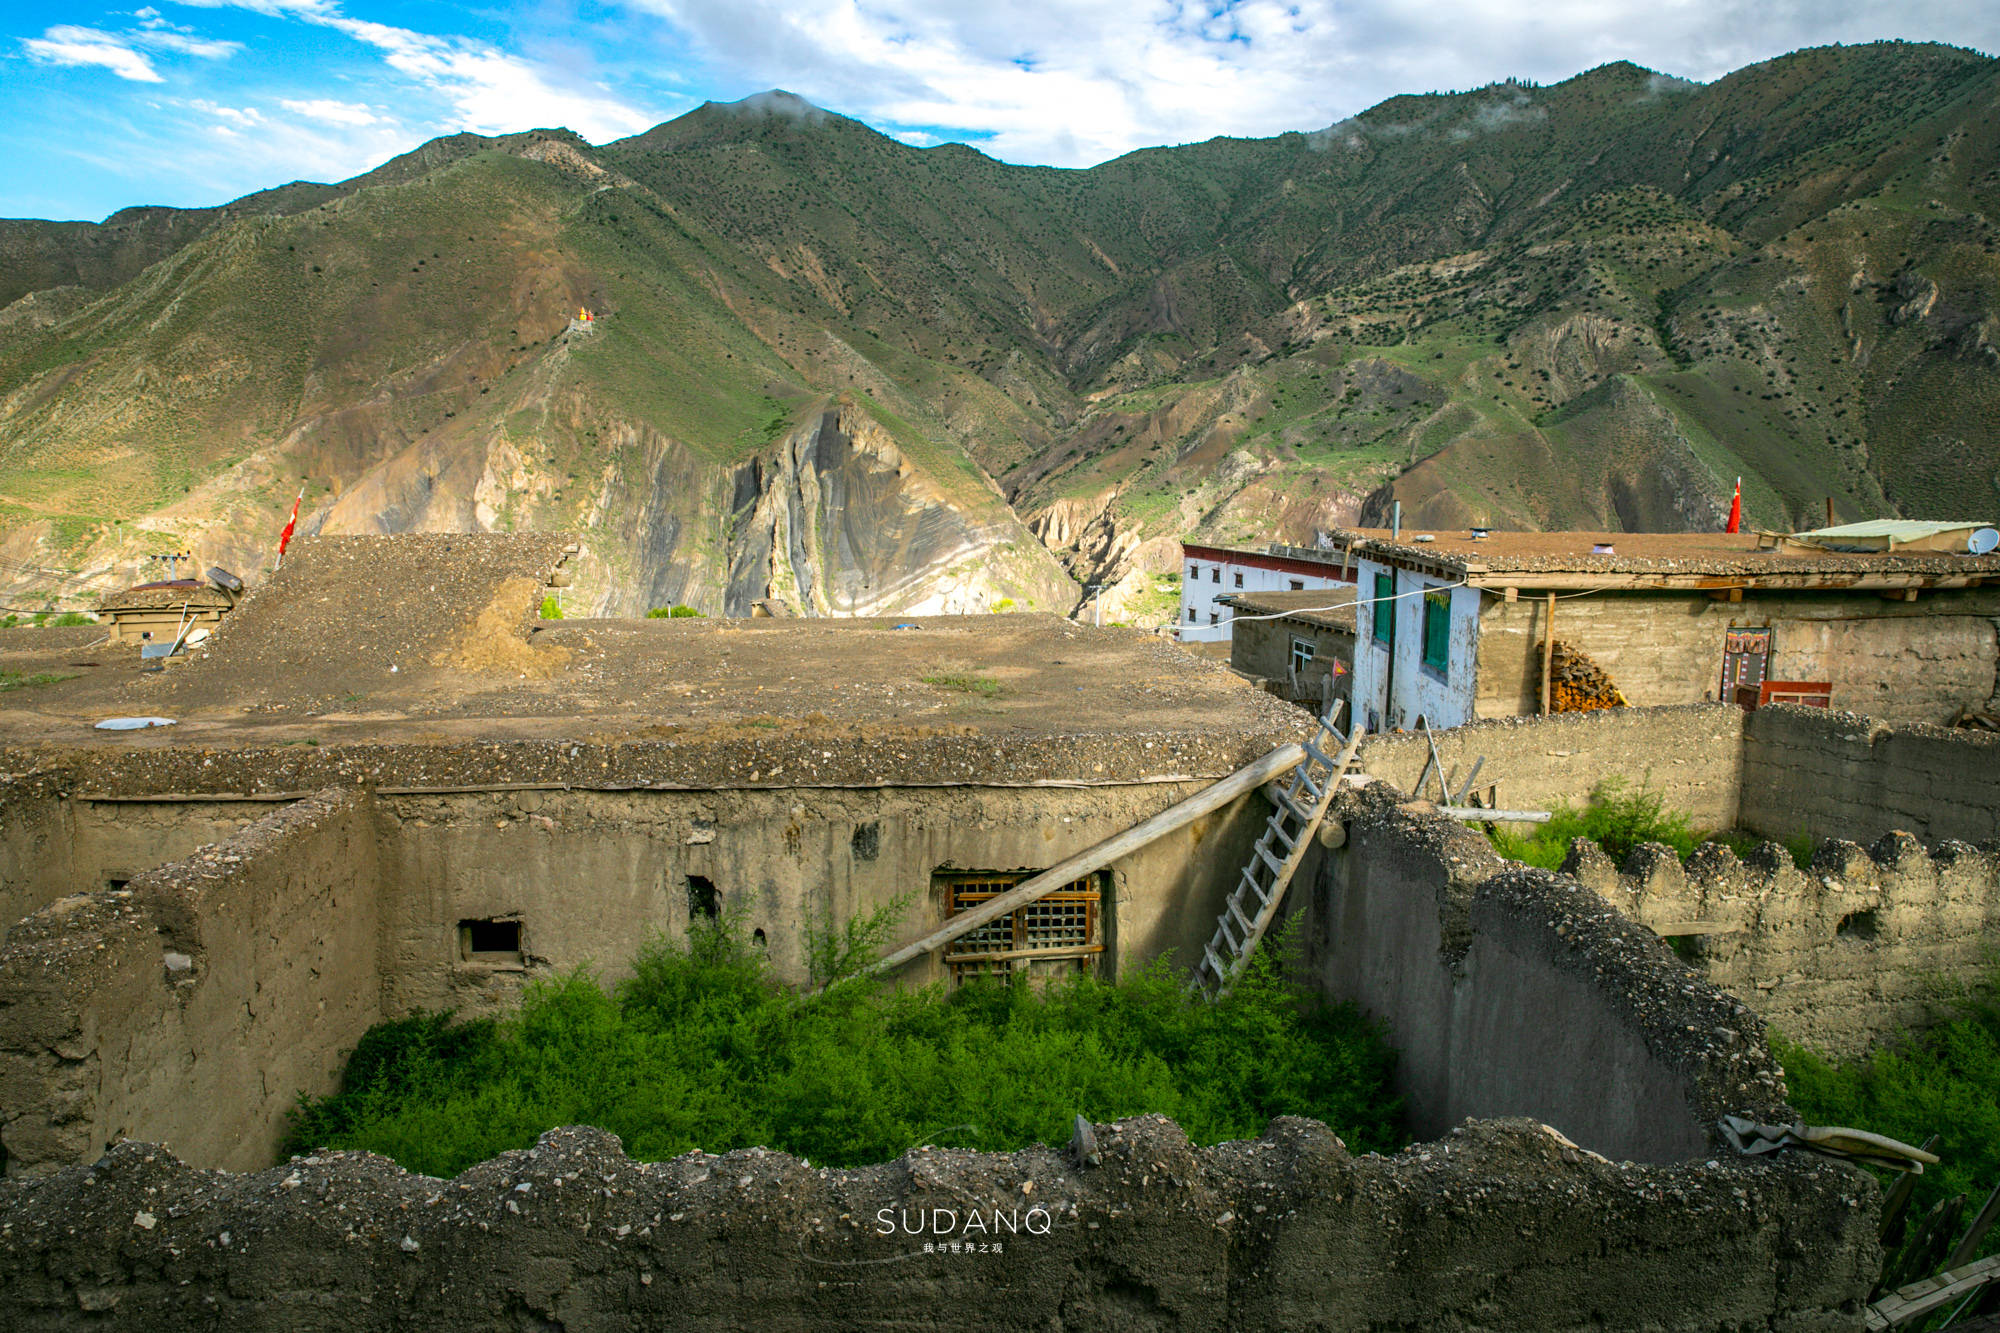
x=1057 y=933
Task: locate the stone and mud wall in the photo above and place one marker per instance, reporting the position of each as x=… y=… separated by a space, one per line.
x=1857 y=947
x=1837 y=774
x=1510 y=993
x=129 y=1007
x=192 y=1005
x=592 y=875
x=1690 y=756
x=1904 y=662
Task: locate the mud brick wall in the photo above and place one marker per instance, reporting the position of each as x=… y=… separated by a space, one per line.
x=191 y=1006
x=1689 y=755
x=591 y=875
x=1499 y=1226
x=1838 y=774
x=1838 y=956
x=1263 y=648
x=37 y=860
x=1508 y=991
x=1905 y=662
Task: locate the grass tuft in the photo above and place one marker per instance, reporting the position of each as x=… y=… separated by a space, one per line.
x=964 y=683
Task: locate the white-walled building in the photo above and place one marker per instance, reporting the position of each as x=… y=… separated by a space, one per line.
x=1211 y=572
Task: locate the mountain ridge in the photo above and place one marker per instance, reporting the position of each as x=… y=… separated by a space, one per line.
x=1587 y=304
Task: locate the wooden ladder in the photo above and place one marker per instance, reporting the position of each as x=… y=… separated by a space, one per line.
x=1252 y=905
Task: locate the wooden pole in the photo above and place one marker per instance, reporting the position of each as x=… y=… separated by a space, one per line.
x=1275 y=764
x=1548 y=650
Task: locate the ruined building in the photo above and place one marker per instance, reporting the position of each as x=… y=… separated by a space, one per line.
x=365 y=806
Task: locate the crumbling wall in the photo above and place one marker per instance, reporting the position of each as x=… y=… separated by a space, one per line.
x=1519 y=992
x=1838 y=956
x=1500 y=1226
x=58 y=841
x=194 y=1004
x=591 y=875
x=1841 y=774
x=1690 y=756
x=37 y=861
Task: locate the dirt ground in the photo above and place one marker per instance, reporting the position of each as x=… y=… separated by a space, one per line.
x=434 y=639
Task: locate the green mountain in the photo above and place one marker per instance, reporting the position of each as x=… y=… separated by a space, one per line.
x=859 y=376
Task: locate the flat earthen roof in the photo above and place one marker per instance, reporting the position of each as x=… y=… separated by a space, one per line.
x=1677 y=554
x=441 y=672
x=1329 y=608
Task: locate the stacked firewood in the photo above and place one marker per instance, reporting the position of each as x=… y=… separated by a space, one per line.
x=1577 y=684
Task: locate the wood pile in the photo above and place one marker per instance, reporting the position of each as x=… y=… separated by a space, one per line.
x=1577 y=684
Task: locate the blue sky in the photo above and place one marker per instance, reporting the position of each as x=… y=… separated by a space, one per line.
x=202 y=101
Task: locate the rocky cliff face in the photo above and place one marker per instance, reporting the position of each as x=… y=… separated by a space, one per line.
x=832 y=519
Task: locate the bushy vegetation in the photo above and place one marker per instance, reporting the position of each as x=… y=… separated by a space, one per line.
x=1945 y=1081
x=551 y=608
x=675 y=612
x=703 y=1048
x=1618 y=820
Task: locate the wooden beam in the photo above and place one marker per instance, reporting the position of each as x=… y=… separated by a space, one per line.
x=1920 y=1298
x=1480 y=812
x=1178 y=815
x=1548 y=650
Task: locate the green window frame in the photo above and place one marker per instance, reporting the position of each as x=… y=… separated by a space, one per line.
x=1437 y=631
x=1385 y=608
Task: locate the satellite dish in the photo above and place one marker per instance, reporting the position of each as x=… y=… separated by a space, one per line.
x=1983 y=541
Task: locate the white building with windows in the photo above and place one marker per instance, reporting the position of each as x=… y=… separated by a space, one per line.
x=1209 y=573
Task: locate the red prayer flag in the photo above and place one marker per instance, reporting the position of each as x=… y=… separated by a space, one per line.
x=285 y=537
x=1735 y=510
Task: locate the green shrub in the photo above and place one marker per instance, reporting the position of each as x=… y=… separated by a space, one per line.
x=551 y=608
x=674 y=612
x=1945 y=1081
x=1614 y=818
x=702 y=1048
x=69 y=618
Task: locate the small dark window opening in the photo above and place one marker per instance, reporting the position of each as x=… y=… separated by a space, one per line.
x=1239 y=578
x=489 y=940
x=703 y=901
x=757 y=938
x=1863 y=925
x=1298 y=585
x=114 y=884
x=867 y=841
x=1215 y=575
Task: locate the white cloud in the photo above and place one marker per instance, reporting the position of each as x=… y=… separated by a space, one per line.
x=245 y=116
x=328 y=111
x=489 y=90
x=120 y=52
x=87 y=46
x=1078 y=81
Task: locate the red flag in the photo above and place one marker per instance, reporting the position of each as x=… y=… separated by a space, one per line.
x=285 y=537
x=1735 y=511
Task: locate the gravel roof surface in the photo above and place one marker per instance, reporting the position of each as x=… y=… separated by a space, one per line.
x=426 y=644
